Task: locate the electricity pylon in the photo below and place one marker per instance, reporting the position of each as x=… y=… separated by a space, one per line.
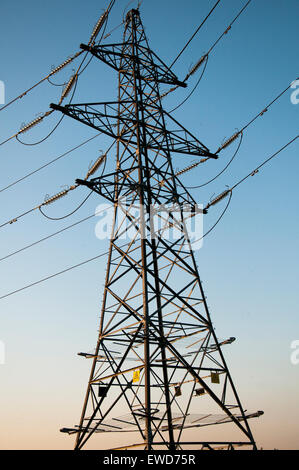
x=157 y=355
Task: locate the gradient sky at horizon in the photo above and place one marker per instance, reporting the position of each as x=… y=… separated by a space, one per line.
x=248 y=264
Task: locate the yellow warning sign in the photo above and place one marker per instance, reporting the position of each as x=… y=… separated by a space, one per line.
x=215 y=378
x=136 y=376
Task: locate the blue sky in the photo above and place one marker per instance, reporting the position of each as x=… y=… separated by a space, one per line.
x=248 y=264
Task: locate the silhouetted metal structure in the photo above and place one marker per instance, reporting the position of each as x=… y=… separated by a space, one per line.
x=158 y=367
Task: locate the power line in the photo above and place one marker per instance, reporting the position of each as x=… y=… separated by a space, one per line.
x=53 y=275
x=223 y=170
x=56 y=70
x=265 y=109
x=252 y=173
x=51 y=235
x=92 y=170
x=112 y=30
x=194 y=88
x=84 y=262
x=16 y=218
x=88 y=260
x=105 y=253
x=27 y=127
x=203 y=59
x=46 y=202
x=239 y=134
x=224 y=194
x=49 y=163
x=228 y=28
x=261 y=113
x=105 y=22
x=194 y=34
x=73 y=80
x=235 y=136
x=44 y=138
x=219 y=218
x=71 y=213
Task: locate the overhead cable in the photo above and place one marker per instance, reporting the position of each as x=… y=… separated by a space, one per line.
x=219 y=198
x=49 y=163
x=91 y=171
x=252 y=173
x=223 y=170
x=203 y=59
x=70 y=213
x=194 y=88
x=52 y=235
x=72 y=81
x=194 y=34
x=53 y=275
x=93 y=259
x=54 y=71
x=48 y=201
x=261 y=113
x=256 y=170
x=228 y=28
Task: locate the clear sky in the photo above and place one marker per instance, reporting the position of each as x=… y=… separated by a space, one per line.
x=248 y=264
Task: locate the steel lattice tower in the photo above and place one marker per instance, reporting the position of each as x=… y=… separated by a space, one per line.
x=157 y=355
